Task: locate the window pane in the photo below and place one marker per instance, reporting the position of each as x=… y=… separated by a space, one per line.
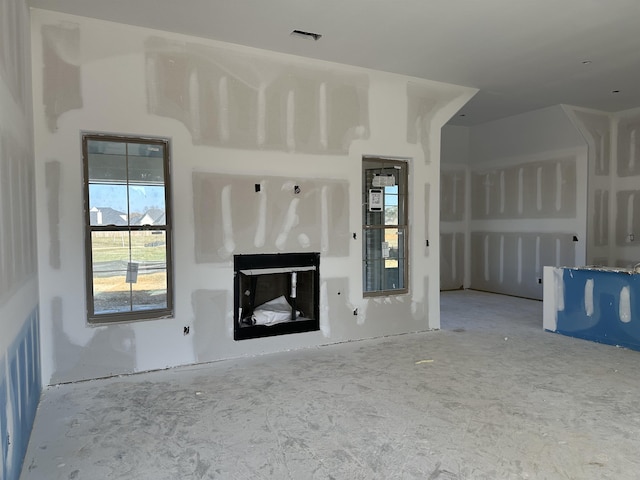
x=147 y=205
x=391 y=191
x=110 y=251
x=390 y=214
x=391 y=205
x=111 y=292
x=152 y=150
x=392 y=239
x=148 y=247
x=130 y=271
x=107 y=168
x=384 y=259
x=373 y=274
x=395 y=263
x=374 y=218
x=106 y=148
x=149 y=270
x=372 y=240
x=150 y=291
x=379 y=276
x=110 y=255
x=107 y=204
x=394 y=278
x=145 y=166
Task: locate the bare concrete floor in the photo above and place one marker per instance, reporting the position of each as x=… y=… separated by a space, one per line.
x=491 y=396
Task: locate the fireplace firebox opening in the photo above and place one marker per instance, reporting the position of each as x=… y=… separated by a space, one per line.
x=276 y=294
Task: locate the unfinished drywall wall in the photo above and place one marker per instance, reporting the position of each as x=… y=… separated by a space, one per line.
x=544 y=189
x=530 y=196
x=421 y=107
x=595 y=127
x=427 y=221
x=53 y=183
x=61 y=55
x=454 y=208
x=245 y=101
x=14 y=54
x=626 y=188
x=20 y=382
x=452 y=260
x=545 y=130
x=453 y=226
x=455 y=145
x=520 y=176
x=240 y=213
x=17 y=217
x=628 y=146
x=613 y=185
x=425 y=108
x=211 y=321
x=246 y=127
x=528 y=200
x=628 y=218
x=109 y=351
x=513 y=263
x=514 y=195
x=452 y=194
x=600 y=221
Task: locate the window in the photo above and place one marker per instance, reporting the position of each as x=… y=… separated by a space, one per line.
x=384 y=230
x=127 y=228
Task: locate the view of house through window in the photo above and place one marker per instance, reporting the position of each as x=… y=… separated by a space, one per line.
x=128 y=235
x=385 y=236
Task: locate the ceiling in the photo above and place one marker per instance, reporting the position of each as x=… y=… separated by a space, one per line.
x=521 y=54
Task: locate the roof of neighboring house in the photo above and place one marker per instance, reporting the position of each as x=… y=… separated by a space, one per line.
x=153 y=216
x=135 y=218
x=110 y=216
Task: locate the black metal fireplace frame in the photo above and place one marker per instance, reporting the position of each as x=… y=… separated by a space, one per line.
x=276 y=261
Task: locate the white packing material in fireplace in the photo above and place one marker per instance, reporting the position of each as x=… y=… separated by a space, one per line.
x=274 y=311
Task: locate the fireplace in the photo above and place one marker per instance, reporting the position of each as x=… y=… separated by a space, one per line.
x=276 y=294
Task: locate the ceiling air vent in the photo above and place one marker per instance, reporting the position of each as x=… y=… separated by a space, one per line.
x=303 y=34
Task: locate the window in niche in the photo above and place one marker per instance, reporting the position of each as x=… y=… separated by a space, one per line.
x=385 y=268
x=127 y=228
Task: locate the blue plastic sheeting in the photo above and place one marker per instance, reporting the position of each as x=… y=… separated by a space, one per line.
x=605 y=324
x=20 y=388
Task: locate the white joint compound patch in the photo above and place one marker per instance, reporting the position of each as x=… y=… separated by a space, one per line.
x=625 y=305
x=227 y=222
x=325 y=327
x=588 y=297
x=324 y=218
x=290 y=221
x=558 y=281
